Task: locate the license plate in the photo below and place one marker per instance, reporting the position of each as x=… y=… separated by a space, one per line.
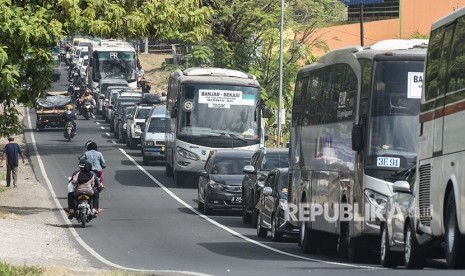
x=388 y=162
x=236 y=199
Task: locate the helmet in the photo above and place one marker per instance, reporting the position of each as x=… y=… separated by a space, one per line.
x=87 y=143
x=69 y=106
x=92 y=146
x=85 y=165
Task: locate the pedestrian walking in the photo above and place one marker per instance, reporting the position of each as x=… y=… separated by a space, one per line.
x=11 y=154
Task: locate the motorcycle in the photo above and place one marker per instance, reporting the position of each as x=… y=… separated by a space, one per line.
x=83 y=212
x=87 y=110
x=69 y=130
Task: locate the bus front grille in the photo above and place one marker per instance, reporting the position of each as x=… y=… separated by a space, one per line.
x=424 y=198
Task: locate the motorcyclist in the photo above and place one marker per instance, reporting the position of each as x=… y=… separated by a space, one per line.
x=95 y=157
x=84 y=181
x=87 y=97
x=69 y=116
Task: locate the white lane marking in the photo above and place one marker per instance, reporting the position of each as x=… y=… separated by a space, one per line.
x=107 y=134
x=97 y=123
x=227 y=229
x=114 y=142
x=74 y=232
x=102 y=127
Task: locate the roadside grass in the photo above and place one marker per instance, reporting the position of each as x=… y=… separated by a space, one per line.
x=23 y=270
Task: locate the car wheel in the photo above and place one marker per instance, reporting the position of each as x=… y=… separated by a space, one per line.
x=254 y=217
x=133 y=143
x=455 y=242
x=168 y=169
x=276 y=236
x=261 y=232
x=245 y=216
x=206 y=211
x=413 y=257
x=386 y=256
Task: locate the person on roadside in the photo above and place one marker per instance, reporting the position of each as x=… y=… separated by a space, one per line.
x=85 y=181
x=11 y=154
x=93 y=156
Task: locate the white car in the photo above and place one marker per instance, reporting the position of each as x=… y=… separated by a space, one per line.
x=135 y=124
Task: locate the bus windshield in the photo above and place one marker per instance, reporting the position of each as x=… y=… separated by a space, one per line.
x=115 y=65
x=218 y=110
x=394 y=114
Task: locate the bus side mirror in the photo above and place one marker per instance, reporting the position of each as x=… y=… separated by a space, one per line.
x=357 y=138
x=173 y=113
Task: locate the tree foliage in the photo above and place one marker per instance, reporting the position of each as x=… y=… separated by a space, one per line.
x=246 y=36
x=29 y=28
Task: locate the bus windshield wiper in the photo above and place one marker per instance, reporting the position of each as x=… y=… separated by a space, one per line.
x=229 y=134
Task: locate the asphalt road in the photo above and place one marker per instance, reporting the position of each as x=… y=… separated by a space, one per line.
x=149 y=224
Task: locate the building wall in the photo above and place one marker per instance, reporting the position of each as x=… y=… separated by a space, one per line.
x=416 y=15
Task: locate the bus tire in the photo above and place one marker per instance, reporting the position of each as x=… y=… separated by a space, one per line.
x=455 y=241
x=343 y=243
x=308 y=239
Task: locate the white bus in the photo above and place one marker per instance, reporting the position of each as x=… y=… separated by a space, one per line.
x=440 y=192
x=112 y=59
x=354 y=130
x=210 y=108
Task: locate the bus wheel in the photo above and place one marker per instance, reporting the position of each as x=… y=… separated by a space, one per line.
x=386 y=256
x=343 y=244
x=413 y=257
x=455 y=242
x=308 y=239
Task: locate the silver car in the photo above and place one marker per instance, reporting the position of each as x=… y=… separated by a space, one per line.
x=398 y=213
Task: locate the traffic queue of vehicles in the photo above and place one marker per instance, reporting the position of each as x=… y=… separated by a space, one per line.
x=372 y=129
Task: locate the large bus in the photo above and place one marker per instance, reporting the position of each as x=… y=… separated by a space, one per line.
x=112 y=59
x=210 y=108
x=354 y=130
x=440 y=173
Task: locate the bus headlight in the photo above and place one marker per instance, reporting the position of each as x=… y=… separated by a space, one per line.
x=376 y=199
x=187 y=154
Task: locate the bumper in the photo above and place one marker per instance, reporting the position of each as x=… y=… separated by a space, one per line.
x=220 y=199
x=154 y=153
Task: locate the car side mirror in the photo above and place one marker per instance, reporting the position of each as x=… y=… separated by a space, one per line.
x=202 y=173
x=357 y=138
x=249 y=169
x=401 y=186
x=173 y=113
x=267 y=191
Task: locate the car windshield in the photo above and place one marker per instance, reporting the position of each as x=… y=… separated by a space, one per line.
x=157 y=125
x=230 y=165
x=143 y=113
x=114 y=96
x=273 y=160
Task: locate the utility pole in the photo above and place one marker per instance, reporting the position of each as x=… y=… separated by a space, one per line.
x=361 y=24
x=281 y=30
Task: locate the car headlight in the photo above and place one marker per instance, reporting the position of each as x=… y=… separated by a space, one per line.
x=149 y=143
x=376 y=199
x=216 y=186
x=187 y=154
x=124 y=126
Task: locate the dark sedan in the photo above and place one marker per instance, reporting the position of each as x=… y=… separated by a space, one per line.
x=272 y=205
x=220 y=183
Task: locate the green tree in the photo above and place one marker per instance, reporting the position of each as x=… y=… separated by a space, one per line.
x=29 y=28
x=245 y=36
